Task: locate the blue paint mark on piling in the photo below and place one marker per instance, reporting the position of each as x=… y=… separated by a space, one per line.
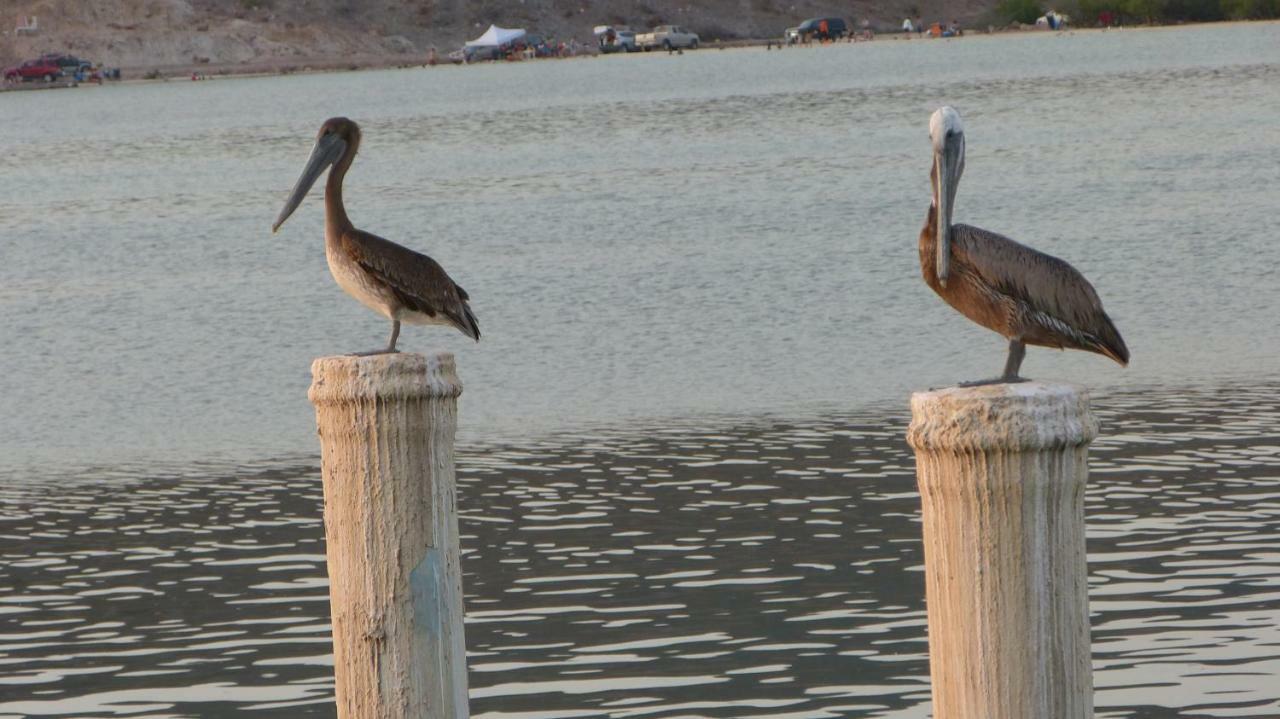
x=424 y=586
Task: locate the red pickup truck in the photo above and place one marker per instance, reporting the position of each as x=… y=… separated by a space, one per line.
x=34 y=70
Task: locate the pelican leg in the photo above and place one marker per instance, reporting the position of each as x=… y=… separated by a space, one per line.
x=391 y=343
x=395 y=335
x=1017 y=350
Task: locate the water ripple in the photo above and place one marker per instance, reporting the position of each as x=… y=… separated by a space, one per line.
x=721 y=569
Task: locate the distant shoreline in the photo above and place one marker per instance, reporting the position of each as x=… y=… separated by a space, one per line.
x=327 y=64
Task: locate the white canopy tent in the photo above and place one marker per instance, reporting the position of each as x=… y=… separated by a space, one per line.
x=497 y=37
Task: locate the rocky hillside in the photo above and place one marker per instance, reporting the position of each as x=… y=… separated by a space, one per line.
x=274 y=34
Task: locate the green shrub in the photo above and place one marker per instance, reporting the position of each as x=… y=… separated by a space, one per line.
x=1250 y=9
x=1178 y=10
x=1194 y=10
x=1091 y=9
x=1145 y=10
x=1023 y=11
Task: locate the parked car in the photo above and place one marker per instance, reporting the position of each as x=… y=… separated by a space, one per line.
x=818 y=28
x=668 y=37
x=615 y=39
x=69 y=63
x=34 y=70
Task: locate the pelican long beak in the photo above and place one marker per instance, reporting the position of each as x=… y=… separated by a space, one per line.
x=948 y=167
x=328 y=149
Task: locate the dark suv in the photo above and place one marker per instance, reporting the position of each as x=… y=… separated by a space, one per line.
x=69 y=63
x=822 y=28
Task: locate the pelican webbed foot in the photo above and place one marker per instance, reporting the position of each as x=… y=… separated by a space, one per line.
x=993 y=380
x=1017 y=350
x=370 y=353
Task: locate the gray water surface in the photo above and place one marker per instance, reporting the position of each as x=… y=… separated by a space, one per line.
x=726 y=232
x=682 y=476
x=769 y=570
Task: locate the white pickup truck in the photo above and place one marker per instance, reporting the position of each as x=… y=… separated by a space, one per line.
x=668 y=37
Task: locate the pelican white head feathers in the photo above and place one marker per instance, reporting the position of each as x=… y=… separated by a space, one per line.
x=945 y=121
x=947 y=133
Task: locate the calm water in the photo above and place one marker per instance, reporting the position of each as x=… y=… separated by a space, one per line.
x=645 y=237
x=745 y=570
x=682 y=470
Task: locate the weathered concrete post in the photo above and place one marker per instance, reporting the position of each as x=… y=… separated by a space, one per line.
x=386 y=425
x=1002 y=472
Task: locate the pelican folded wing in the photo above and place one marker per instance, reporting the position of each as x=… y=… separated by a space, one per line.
x=420 y=284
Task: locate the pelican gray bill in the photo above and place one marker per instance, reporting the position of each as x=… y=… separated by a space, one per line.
x=1025 y=295
x=394 y=281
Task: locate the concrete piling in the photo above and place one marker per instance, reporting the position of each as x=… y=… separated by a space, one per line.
x=1002 y=470
x=386 y=425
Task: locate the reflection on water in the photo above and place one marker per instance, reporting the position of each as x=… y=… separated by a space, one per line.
x=765 y=569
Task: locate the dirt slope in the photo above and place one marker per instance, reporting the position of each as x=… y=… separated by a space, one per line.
x=273 y=34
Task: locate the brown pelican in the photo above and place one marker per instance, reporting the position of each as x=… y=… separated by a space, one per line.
x=393 y=281
x=1025 y=295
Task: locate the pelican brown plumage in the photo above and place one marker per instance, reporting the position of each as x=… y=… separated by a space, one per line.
x=1025 y=295
x=394 y=281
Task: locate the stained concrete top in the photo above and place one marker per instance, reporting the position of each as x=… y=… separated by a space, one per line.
x=399 y=375
x=1014 y=417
